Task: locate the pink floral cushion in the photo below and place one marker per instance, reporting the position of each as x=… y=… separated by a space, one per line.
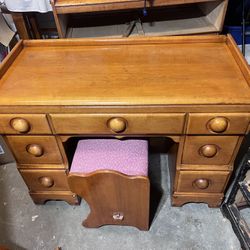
x=129 y=157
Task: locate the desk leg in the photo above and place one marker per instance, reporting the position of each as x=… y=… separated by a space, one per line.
x=61 y=22
x=20 y=24
x=24 y=30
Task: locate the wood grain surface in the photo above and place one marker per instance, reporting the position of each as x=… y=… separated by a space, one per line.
x=109 y=192
x=135 y=124
x=76 y=6
x=116 y=74
x=195 y=89
x=50 y=151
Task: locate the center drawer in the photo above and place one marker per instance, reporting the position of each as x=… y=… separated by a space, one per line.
x=118 y=123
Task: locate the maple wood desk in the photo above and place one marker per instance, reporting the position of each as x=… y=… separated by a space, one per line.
x=194 y=90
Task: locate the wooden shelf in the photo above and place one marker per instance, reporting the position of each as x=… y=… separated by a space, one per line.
x=79 y=6
x=200 y=16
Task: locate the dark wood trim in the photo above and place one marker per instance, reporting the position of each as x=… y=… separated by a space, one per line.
x=20 y=24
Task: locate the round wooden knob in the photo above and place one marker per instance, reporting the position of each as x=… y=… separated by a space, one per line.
x=117 y=125
x=209 y=150
x=20 y=125
x=35 y=150
x=201 y=183
x=218 y=124
x=46 y=181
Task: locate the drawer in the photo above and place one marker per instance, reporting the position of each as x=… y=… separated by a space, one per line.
x=218 y=123
x=209 y=150
x=45 y=180
x=202 y=181
x=24 y=124
x=35 y=149
x=118 y=123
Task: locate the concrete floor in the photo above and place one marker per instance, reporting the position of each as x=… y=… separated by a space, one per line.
x=24 y=225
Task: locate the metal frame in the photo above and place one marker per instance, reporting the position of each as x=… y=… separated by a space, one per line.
x=228 y=207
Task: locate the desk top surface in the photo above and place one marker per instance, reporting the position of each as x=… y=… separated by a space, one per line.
x=153 y=71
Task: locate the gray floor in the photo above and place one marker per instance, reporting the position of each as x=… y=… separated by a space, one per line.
x=24 y=225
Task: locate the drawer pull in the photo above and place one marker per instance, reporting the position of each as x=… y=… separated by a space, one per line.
x=118 y=216
x=201 y=183
x=208 y=151
x=20 y=125
x=46 y=181
x=117 y=125
x=35 y=150
x=218 y=124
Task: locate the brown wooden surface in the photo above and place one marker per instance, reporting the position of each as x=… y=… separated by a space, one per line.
x=126 y=41
x=241 y=60
x=45 y=179
x=42 y=166
x=213 y=200
x=135 y=124
x=199 y=167
x=20 y=23
x=108 y=192
x=19 y=144
x=10 y=58
x=237 y=123
x=42 y=197
x=157 y=86
x=225 y=147
x=216 y=179
x=76 y=6
x=130 y=109
x=61 y=21
x=26 y=25
x=34 y=26
x=127 y=75
x=38 y=123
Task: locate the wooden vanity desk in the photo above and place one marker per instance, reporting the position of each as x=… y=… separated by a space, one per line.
x=194 y=90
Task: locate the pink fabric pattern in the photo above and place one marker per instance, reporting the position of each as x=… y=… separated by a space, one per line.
x=129 y=157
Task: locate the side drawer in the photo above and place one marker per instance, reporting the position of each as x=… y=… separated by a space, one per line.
x=35 y=149
x=218 y=123
x=118 y=123
x=209 y=150
x=24 y=124
x=202 y=181
x=45 y=180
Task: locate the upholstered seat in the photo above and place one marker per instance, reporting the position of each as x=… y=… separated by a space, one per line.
x=129 y=157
